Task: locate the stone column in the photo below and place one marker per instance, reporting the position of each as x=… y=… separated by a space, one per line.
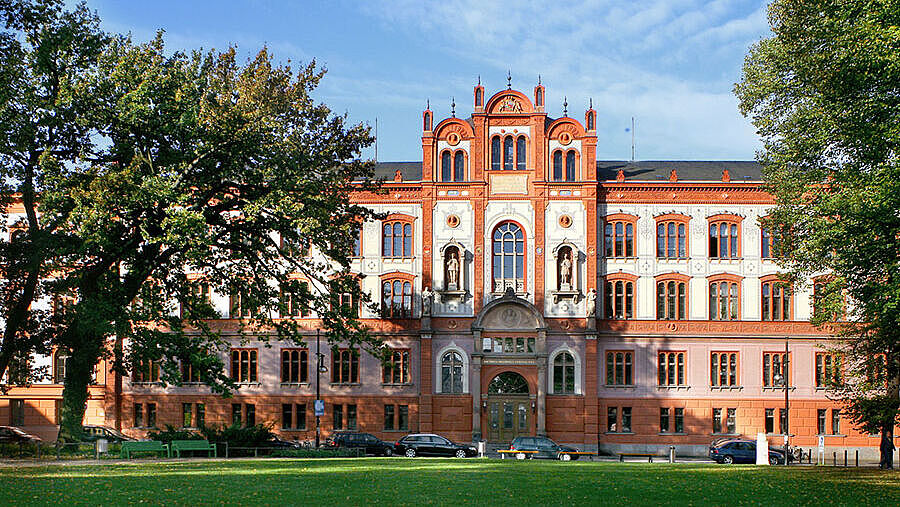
x=475 y=389
x=542 y=396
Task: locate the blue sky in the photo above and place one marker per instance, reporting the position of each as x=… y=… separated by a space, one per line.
x=669 y=63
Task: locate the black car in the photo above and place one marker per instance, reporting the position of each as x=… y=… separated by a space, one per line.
x=427 y=444
x=544 y=447
x=13 y=435
x=740 y=451
x=93 y=433
x=368 y=443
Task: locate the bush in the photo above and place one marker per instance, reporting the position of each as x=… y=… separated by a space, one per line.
x=316 y=453
x=239 y=436
x=170 y=434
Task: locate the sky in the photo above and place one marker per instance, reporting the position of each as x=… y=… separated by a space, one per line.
x=670 y=64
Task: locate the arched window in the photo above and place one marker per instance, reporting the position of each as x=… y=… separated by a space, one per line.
x=724 y=237
x=452 y=373
x=671 y=298
x=446 y=170
x=557 y=166
x=620 y=298
x=590 y=121
x=564 y=374
x=495 y=153
x=397 y=239
x=508 y=382
x=520 y=153
x=671 y=236
x=776 y=300
x=539 y=96
x=509 y=258
x=724 y=299
x=570 y=165
x=508 y=153
x=396 y=299
x=459 y=166
x=478 y=97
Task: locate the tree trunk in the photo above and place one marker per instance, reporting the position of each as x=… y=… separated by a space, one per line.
x=79 y=372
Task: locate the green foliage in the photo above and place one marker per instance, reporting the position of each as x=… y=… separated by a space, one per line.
x=824 y=95
x=239 y=436
x=171 y=433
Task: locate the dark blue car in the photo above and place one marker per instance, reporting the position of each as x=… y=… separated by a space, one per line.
x=740 y=451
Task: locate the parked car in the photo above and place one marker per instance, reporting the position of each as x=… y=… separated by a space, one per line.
x=740 y=451
x=545 y=448
x=283 y=444
x=427 y=444
x=92 y=433
x=368 y=443
x=13 y=435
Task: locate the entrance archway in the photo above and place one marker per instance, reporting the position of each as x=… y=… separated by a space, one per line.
x=509 y=407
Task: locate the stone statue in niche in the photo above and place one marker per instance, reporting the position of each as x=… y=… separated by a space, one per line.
x=591 y=303
x=452 y=270
x=427 y=301
x=565 y=270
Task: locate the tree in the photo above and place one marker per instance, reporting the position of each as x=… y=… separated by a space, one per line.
x=824 y=95
x=45 y=51
x=216 y=174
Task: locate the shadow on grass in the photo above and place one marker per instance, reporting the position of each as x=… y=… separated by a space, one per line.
x=417 y=481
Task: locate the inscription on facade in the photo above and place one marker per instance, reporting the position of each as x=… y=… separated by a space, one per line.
x=509 y=184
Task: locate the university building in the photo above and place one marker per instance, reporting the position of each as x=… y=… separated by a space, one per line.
x=528 y=289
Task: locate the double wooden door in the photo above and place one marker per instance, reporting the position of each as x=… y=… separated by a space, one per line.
x=508 y=417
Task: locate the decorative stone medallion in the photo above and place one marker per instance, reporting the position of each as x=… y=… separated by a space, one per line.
x=565 y=221
x=452 y=221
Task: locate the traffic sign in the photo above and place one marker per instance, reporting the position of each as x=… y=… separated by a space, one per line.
x=319 y=408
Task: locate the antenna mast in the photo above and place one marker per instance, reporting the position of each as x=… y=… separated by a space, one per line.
x=632 y=138
x=376 y=140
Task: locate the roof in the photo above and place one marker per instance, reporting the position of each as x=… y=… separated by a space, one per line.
x=687 y=170
x=649 y=170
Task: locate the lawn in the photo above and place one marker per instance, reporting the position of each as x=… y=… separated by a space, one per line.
x=442 y=481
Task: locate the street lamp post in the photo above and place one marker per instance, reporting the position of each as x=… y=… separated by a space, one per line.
x=320 y=368
x=787 y=412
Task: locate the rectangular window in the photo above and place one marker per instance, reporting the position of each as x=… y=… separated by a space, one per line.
x=189 y=374
x=251 y=415
x=292 y=299
x=619 y=299
x=626 y=419
x=138 y=415
x=723 y=369
x=828 y=369
x=679 y=420
x=345 y=366
x=403 y=417
x=774 y=371
x=236 y=414
x=287 y=416
x=201 y=415
x=775 y=303
x=822 y=415
x=243 y=365
x=724 y=300
x=835 y=421
x=17 y=413
x=151 y=415
x=717 y=420
x=723 y=240
x=241 y=307
x=619 y=239
x=670 y=368
x=187 y=415
x=300 y=409
x=671 y=300
x=389 y=417
x=294 y=366
x=351 y=417
x=612 y=415
x=396 y=369
x=663 y=420
x=201 y=294
x=731 y=421
x=782 y=421
x=338 y=417
x=770 y=420
x=671 y=238
x=145 y=371
x=619 y=368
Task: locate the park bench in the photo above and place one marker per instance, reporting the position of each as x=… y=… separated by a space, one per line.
x=518 y=454
x=193 y=445
x=144 y=446
x=636 y=455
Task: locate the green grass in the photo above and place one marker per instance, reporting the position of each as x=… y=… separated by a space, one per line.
x=442 y=481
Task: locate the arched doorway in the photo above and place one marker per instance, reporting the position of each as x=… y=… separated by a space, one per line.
x=509 y=407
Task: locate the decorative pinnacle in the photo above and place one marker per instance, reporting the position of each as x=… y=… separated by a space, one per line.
x=427 y=104
x=508 y=80
x=479 y=79
x=539 y=80
x=591 y=103
x=453 y=107
x=565 y=106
